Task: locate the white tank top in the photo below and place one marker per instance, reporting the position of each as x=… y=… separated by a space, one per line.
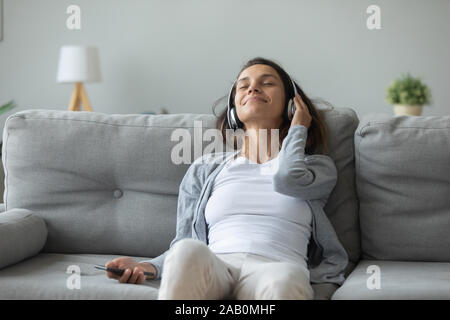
x=245 y=214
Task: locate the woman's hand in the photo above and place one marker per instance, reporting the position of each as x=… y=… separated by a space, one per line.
x=134 y=271
x=301 y=115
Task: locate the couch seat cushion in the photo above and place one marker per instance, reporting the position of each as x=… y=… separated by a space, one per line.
x=45 y=276
x=399 y=280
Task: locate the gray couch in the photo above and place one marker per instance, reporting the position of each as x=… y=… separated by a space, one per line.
x=82 y=188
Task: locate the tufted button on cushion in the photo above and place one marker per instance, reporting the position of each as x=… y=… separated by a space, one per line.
x=118 y=193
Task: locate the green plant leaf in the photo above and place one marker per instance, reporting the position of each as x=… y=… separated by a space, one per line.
x=8 y=106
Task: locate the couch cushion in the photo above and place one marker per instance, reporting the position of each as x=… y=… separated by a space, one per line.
x=342 y=206
x=402 y=176
x=22 y=235
x=103 y=183
x=399 y=280
x=46 y=277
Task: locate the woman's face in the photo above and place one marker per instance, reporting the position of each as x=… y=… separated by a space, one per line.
x=260 y=97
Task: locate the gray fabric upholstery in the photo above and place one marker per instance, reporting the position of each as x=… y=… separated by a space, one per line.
x=324 y=291
x=399 y=280
x=105 y=186
x=342 y=206
x=46 y=276
x=402 y=172
x=22 y=235
x=2 y=185
x=103 y=183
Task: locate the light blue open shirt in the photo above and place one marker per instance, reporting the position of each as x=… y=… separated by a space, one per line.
x=310 y=177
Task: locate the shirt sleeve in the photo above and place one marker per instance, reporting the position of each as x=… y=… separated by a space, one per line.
x=310 y=177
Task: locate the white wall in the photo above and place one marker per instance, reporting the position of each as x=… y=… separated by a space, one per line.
x=184 y=54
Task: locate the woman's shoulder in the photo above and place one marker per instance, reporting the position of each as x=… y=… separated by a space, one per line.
x=204 y=165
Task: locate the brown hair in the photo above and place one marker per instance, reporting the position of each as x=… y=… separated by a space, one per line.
x=317 y=133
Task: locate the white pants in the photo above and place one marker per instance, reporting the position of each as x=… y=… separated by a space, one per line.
x=193 y=272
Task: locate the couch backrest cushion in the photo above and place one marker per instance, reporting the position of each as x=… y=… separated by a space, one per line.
x=108 y=183
x=342 y=206
x=103 y=183
x=402 y=172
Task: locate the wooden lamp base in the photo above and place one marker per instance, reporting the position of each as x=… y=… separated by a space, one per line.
x=79 y=96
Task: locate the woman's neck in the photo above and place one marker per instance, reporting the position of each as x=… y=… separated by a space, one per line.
x=260 y=145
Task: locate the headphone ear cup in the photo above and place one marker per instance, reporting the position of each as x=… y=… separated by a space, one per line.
x=230 y=122
x=234 y=118
x=291 y=109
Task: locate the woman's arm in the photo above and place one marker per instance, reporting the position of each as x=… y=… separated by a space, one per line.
x=310 y=177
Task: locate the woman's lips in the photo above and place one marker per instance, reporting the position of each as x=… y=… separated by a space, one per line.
x=256 y=99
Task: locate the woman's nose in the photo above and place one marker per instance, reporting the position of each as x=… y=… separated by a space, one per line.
x=253 y=88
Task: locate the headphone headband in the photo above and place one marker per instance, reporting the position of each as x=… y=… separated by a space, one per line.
x=233 y=120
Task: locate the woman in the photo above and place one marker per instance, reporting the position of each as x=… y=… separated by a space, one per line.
x=252 y=225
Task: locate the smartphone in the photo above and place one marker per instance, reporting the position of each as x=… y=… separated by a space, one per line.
x=120 y=271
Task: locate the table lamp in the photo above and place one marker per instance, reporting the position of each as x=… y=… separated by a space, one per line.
x=78 y=64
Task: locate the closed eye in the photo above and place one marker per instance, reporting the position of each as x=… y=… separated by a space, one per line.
x=267 y=83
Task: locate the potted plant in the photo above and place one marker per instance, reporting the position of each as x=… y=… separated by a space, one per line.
x=408 y=95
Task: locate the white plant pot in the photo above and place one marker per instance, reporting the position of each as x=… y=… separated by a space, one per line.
x=407 y=110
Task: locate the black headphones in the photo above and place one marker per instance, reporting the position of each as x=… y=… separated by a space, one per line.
x=233 y=120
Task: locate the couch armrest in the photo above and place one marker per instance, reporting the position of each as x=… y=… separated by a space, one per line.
x=23 y=234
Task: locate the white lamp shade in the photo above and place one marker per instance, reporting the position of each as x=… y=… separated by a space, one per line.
x=78 y=64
